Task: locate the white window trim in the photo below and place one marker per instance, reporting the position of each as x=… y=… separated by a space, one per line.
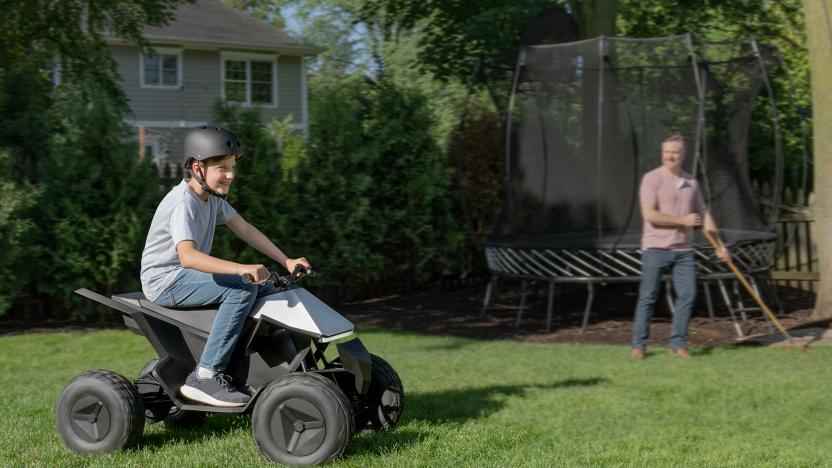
x=248 y=57
x=179 y=71
x=304 y=93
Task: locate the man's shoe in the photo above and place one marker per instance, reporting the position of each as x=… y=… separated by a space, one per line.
x=681 y=353
x=214 y=391
x=637 y=353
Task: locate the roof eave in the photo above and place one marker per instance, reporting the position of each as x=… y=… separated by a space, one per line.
x=193 y=43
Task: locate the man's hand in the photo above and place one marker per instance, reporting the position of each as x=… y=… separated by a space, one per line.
x=258 y=273
x=692 y=220
x=292 y=263
x=723 y=253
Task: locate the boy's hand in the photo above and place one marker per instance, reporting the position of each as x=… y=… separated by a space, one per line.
x=292 y=263
x=258 y=273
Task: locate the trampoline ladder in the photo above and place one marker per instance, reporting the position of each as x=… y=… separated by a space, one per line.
x=737 y=306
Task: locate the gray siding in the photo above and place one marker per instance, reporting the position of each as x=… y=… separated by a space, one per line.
x=290 y=94
x=200 y=88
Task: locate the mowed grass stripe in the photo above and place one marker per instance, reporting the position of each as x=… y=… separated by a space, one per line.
x=475 y=403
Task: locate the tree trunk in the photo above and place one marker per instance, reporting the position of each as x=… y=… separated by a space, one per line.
x=595 y=17
x=818 y=15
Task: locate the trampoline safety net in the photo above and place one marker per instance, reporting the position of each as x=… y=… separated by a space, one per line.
x=585 y=122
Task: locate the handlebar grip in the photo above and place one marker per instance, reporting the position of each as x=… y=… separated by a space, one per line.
x=248 y=279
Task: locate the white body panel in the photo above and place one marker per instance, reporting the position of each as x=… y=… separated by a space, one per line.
x=298 y=309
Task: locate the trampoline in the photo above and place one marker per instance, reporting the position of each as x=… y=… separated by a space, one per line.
x=585 y=120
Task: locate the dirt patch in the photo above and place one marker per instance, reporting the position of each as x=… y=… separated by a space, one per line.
x=458 y=313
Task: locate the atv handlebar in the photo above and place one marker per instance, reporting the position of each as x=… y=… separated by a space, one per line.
x=285 y=280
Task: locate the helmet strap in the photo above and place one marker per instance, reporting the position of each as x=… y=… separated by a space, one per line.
x=203 y=184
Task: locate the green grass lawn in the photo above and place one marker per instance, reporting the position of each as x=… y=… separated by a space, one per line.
x=474 y=403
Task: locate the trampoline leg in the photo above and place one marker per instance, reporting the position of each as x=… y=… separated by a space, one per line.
x=487 y=299
x=550 y=305
x=739 y=303
x=769 y=287
x=709 y=301
x=522 y=304
x=730 y=306
x=668 y=294
x=757 y=291
x=591 y=296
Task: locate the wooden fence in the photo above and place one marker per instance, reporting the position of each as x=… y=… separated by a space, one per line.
x=796 y=262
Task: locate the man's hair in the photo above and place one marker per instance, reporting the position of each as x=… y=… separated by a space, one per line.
x=676 y=136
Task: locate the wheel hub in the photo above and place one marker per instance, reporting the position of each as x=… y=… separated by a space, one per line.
x=90 y=419
x=299 y=427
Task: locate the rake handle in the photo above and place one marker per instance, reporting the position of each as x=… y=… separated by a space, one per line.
x=749 y=288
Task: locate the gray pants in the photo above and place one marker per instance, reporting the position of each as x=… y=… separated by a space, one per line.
x=654 y=263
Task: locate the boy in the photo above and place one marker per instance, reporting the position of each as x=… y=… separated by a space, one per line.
x=178 y=270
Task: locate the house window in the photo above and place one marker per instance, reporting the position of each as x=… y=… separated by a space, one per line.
x=249 y=79
x=162 y=69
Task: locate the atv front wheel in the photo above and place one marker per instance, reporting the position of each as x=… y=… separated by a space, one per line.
x=99 y=411
x=302 y=418
x=385 y=397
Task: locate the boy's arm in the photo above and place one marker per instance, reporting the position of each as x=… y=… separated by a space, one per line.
x=253 y=237
x=190 y=257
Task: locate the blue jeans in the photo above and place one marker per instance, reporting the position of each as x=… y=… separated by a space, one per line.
x=654 y=262
x=192 y=288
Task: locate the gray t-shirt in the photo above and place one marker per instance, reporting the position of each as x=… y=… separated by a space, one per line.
x=180 y=216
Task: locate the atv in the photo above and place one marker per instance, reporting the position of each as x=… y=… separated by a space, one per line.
x=305 y=408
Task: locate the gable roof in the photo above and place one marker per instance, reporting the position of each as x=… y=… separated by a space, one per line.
x=212 y=24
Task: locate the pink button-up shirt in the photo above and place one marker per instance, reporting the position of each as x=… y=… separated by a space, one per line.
x=671 y=195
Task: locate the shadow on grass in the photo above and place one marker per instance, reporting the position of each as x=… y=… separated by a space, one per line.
x=460 y=405
x=217 y=425
x=450 y=406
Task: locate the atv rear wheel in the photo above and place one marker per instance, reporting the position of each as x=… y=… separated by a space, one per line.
x=99 y=411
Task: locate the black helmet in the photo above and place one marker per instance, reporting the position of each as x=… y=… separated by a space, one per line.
x=206 y=142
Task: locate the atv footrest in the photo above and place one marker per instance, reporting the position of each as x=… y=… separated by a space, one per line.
x=214 y=409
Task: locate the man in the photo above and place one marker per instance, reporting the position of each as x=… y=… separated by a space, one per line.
x=672 y=206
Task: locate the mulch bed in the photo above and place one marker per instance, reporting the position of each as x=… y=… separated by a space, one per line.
x=457 y=313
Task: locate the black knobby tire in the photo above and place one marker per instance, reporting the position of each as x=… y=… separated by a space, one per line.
x=302 y=418
x=99 y=411
x=167 y=415
x=385 y=397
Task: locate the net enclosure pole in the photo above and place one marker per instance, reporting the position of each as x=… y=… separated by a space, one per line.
x=599 y=148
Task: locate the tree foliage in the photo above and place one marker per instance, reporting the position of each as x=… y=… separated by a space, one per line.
x=365 y=199
x=80 y=222
x=779 y=24
x=97 y=203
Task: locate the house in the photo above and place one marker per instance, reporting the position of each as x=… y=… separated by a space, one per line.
x=210 y=51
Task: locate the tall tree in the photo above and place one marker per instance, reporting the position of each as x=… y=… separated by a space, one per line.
x=819 y=33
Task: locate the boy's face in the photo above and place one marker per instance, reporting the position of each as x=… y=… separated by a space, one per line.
x=220 y=173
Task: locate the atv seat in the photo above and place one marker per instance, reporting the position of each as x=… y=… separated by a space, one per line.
x=200 y=318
